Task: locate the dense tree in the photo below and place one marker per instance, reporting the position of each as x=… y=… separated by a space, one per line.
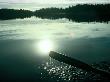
x=13 y=14
x=78 y=13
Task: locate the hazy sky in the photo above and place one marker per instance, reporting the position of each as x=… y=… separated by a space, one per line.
x=56 y=1
x=38 y=4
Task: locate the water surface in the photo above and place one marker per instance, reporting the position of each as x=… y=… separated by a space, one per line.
x=20 y=38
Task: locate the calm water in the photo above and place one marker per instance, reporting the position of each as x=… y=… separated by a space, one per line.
x=24 y=50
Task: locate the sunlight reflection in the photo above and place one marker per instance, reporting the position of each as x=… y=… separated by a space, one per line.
x=44 y=46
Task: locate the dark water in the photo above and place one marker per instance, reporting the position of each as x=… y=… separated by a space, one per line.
x=24 y=53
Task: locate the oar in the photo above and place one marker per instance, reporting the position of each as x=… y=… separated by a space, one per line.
x=77 y=63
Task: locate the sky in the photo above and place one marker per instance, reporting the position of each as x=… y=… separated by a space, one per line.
x=38 y=4
x=54 y=1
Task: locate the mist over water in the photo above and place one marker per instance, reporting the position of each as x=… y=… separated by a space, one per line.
x=36 y=28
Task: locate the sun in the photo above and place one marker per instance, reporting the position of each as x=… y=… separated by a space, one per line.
x=44 y=46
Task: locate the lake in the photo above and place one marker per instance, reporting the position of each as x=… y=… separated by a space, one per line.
x=25 y=45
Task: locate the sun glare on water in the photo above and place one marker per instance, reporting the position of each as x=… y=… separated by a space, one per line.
x=44 y=46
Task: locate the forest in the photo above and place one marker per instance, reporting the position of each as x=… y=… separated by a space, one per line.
x=78 y=13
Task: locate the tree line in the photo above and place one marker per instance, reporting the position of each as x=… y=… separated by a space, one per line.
x=78 y=13
x=6 y=14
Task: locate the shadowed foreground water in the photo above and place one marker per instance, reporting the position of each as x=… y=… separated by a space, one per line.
x=20 y=62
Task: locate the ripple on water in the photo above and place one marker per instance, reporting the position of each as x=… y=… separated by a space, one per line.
x=64 y=72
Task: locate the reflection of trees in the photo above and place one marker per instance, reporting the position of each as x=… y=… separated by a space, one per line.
x=78 y=13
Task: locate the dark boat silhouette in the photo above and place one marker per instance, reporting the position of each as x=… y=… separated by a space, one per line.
x=78 y=64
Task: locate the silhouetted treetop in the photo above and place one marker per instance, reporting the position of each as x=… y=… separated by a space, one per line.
x=78 y=13
x=14 y=13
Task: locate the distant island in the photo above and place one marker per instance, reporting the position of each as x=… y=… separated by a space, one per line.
x=6 y=14
x=78 y=13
